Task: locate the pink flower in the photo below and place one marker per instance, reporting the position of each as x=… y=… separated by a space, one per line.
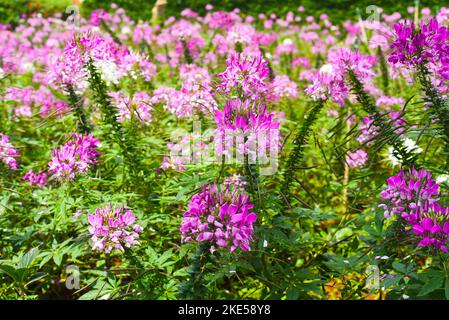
x=221 y=216
x=38 y=179
x=77 y=155
x=330 y=80
x=8 y=153
x=113 y=228
x=356 y=159
x=410 y=194
x=282 y=87
x=245 y=75
x=138 y=107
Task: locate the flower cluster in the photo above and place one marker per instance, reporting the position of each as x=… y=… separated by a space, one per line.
x=28 y=97
x=409 y=194
x=220 y=215
x=246 y=75
x=413 y=197
x=8 y=153
x=38 y=179
x=356 y=159
x=196 y=93
x=249 y=124
x=329 y=81
x=282 y=87
x=75 y=156
x=425 y=45
x=113 y=227
x=412 y=46
x=138 y=107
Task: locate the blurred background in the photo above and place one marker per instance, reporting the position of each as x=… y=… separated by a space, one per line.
x=338 y=10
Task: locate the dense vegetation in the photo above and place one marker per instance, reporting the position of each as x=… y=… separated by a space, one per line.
x=217 y=155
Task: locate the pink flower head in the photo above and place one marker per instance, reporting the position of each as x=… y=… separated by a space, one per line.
x=221 y=216
x=356 y=159
x=330 y=80
x=245 y=75
x=8 y=153
x=113 y=228
x=77 y=155
x=433 y=228
x=427 y=44
x=138 y=107
x=38 y=179
x=410 y=194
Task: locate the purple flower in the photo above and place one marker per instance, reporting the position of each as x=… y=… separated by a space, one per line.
x=410 y=194
x=433 y=228
x=75 y=156
x=113 y=228
x=38 y=179
x=249 y=123
x=220 y=215
x=426 y=45
x=245 y=75
x=356 y=159
x=329 y=81
x=138 y=107
x=8 y=153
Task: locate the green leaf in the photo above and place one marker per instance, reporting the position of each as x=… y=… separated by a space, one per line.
x=399 y=267
x=91 y=295
x=343 y=233
x=28 y=258
x=431 y=284
x=446 y=288
x=292 y=294
x=36 y=277
x=10 y=271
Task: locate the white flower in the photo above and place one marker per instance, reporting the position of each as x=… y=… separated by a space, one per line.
x=327 y=69
x=265 y=243
x=410 y=146
x=126 y=30
x=405 y=297
x=444 y=178
x=287 y=41
x=108 y=70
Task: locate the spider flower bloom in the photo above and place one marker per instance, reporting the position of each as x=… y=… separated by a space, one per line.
x=252 y=126
x=8 y=153
x=426 y=46
x=38 y=179
x=75 y=156
x=138 y=106
x=412 y=46
x=356 y=159
x=282 y=87
x=410 y=194
x=221 y=216
x=246 y=75
x=329 y=81
x=113 y=227
x=433 y=228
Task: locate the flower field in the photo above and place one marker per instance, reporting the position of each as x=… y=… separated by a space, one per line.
x=225 y=156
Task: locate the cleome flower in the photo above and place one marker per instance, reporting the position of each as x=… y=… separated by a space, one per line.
x=113 y=228
x=220 y=215
x=75 y=156
x=246 y=75
x=8 y=153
